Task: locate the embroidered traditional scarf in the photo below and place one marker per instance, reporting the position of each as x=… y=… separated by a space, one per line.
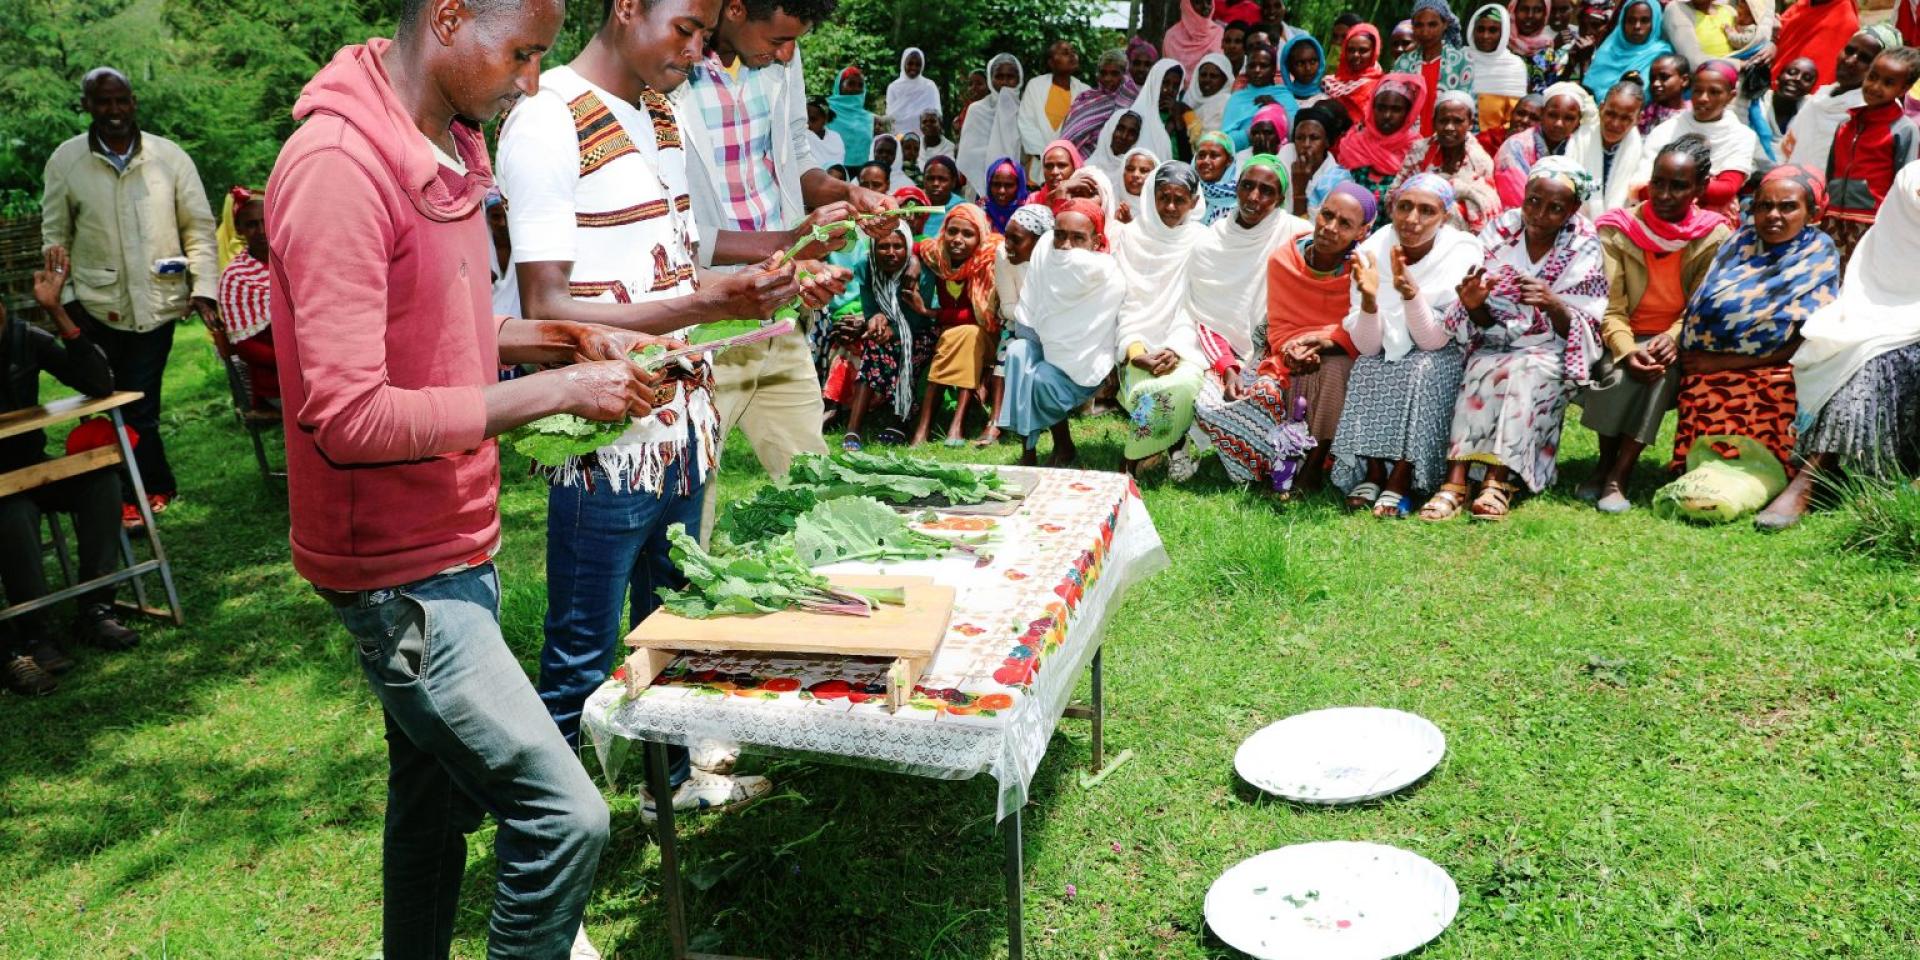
x=976 y=274
x=1091 y=108
x=1222 y=194
x=1354 y=88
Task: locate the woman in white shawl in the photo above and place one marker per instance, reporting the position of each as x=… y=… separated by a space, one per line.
x=1211 y=108
x=1065 y=327
x=1393 y=431
x=1153 y=136
x=1734 y=144
x=992 y=129
x=1610 y=146
x=911 y=94
x=1225 y=303
x=1038 y=128
x=1499 y=74
x=1164 y=365
x=1134 y=198
x=1856 y=375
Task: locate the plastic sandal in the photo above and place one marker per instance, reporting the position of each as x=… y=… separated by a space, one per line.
x=1494 y=502
x=955 y=442
x=850 y=443
x=1363 y=495
x=1392 y=506
x=890 y=437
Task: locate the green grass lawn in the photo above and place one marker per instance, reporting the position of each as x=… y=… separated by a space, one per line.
x=1663 y=742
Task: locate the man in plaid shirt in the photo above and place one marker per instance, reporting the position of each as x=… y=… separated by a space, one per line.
x=756 y=174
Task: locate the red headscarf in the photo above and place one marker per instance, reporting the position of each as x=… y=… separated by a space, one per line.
x=1045 y=194
x=1817 y=31
x=1383 y=153
x=1092 y=211
x=1354 y=89
x=976 y=274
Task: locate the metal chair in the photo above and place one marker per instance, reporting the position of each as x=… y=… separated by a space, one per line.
x=240 y=391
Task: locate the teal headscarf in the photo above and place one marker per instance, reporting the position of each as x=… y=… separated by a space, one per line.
x=852 y=121
x=1301 y=91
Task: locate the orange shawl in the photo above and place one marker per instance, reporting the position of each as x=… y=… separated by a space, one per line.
x=976 y=275
x=1301 y=301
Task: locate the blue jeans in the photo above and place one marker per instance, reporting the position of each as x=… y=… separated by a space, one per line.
x=606 y=550
x=466 y=737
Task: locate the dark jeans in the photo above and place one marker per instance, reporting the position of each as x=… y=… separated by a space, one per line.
x=139 y=362
x=94 y=501
x=466 y=738
x=605 y=550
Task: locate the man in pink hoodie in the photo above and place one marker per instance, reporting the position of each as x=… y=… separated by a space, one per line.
x=380 y=289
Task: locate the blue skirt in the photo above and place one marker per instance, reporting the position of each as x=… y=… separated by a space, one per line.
x=1038 y=394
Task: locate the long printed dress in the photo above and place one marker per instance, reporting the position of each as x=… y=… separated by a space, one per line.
x=1519 y=372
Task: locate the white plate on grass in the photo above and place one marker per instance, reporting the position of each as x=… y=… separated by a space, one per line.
x=1341 y=754
x=1336 y=900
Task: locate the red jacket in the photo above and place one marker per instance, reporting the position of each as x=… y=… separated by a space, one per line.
x=383 y=322
x=1872 y=144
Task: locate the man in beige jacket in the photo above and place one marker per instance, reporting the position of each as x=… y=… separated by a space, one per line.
x=129 y=209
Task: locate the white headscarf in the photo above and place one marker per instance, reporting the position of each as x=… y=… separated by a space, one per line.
x=1437 y=275
x=1734 y=144
x=1071 y=301
x=1878 y=309
x=1222 y=292
x=909 y=97
x=1810 y=135
x=939 y=148
x=1501 y=73
x=1146 y=105
x=1132 y=200
x=1211 y=110
x=1153 y=264
x=992 y=130
x=1588 y=148
x=896 y=177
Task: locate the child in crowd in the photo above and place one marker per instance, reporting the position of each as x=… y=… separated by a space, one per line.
x=1524 y=115
x=1872 y=144
x=1669 y=81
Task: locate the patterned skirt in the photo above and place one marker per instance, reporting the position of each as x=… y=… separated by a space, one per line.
x=1846 y=234
x=1246 y=432
x=1757 y=402
x=880 y=369
x=1325 y=391
x=1398 y=411
x=1160 y=409
x=1873 y=423
x=1509 y=412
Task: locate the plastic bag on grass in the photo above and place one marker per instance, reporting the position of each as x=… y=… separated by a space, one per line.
x=1727 y=478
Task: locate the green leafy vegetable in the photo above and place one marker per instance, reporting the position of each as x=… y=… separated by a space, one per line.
x=764 y=579
x=769 y=514
x=721 y=330
x=549 y=441
x=862 y=528
x=894 y=478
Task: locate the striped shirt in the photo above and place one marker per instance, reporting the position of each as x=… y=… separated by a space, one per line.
x=243 y=297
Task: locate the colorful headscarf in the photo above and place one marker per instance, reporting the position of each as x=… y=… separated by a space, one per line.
x=1754 y=298
x=1046 y=193
x=1193 y=37
x=1092 y=107
x=1369 y=204
x=1567 y=171
x=1140 y=43
x=997 y=214
x=1615 y=57
x=1528 y=46
x=976 y=274
x=1221 y=194
x=1441 y=7
x=851 y=119
x=1355 y=87
x=1275 y=114
x=1726 y=70
x=1302 y=91
x=1384 y=153
x=1269 y=162
x=1428 y=182
x=1092 y=211
x=1814 y=182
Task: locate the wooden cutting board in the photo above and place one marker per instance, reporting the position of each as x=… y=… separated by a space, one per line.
x=910 y=634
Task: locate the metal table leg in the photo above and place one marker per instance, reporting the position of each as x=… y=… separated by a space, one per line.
x=669 y=852
x=1016 y=887
x=1099 y=713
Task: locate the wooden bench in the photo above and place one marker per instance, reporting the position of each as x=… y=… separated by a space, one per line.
x=28 y=478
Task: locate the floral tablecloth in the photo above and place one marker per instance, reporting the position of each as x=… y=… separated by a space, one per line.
x=1025 y=626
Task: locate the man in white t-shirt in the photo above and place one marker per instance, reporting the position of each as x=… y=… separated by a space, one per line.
x=594 y=172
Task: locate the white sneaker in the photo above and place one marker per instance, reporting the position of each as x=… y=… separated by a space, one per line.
x=714 y=758
x=708 y=791
x=583 y=949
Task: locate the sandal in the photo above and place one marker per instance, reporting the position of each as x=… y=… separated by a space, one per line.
x=890 y=437
x=1445 y=504
x=1391 y=506
x=1494 y=501
x=955 y=442
x=850 y=443
x=1363 y=495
